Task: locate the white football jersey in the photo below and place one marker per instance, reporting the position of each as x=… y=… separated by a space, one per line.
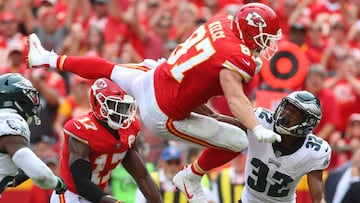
x=273 y=178
x=11 y=123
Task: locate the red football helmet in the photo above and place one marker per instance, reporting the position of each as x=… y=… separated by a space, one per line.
x=259 y=26
x=111 y=104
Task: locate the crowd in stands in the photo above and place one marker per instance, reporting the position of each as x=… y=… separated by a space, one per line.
x=320 y=53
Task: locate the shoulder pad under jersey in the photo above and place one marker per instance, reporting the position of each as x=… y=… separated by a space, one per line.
x=13 y=124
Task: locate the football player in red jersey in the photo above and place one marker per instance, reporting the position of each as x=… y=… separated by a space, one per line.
x=216 y=59
x=97 y=142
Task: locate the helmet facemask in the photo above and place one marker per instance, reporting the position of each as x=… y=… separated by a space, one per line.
x=289 y=121
x=30 y=107
x=267 y=43
x=118 y=112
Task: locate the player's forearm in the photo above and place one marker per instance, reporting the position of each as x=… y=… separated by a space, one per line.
x=26 y=159
x=150 y=190
x=242 y=109
x=239 y=104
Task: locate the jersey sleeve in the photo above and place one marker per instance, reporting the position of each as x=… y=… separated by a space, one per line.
x=76 y=130
x=322 y=155
x=14 y=124
x=265 y=117
x=241 y=64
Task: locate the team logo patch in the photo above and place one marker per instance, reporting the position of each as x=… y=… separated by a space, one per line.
x=255 y=19
x=23 y=84
x=100 y=84
x=15 y=126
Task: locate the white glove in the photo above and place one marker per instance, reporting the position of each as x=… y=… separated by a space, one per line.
x=264 y=135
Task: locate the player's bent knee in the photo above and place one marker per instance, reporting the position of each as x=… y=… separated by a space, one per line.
x=236 y=138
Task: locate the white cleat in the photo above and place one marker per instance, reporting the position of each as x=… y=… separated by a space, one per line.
x=38 y=57
x=190 y=184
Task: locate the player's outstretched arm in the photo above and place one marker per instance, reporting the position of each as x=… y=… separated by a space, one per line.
x=316 y=186
x=241 y=107
x=136 y=168
x=33 y=167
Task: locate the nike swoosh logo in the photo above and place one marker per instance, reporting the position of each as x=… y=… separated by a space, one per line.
x=188 y=196
x=77 y=126
x=246 y=62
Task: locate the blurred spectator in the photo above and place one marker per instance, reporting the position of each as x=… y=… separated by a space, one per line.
x=74 y=40
x=330 y=120
x=46 y=24
x=99 y=17
x=148 y=9
x=297 y=34
x=353 y=38
x=75 y=104
x=186 y=20
x=315 y=43
x=208 y=10
x=337 y=48
x=159 y=34
x=339 y=182
x=52 y=89
x=344 y=144
x=169 y=165
x=285 y=10
x=16 y=59
x=9 y=29
x=94 y=43
x=326 y=12
x=346 y=86
x=230 y=181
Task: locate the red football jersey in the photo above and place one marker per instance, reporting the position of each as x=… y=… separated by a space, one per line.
x=190 y=76
x=106 y=151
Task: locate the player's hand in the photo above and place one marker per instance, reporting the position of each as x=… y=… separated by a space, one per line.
x=264 y=135
x=60 y=187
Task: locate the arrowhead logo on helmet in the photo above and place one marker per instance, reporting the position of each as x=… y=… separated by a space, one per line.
x=256 y=20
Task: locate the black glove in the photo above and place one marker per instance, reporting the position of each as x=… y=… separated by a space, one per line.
x=5 y=182
x=13 y=181
x=19 y=178
x=60 y=187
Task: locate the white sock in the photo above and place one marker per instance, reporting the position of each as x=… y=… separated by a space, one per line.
x=52 y=60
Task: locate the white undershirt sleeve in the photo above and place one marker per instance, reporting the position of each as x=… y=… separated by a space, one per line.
x=33 y=167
